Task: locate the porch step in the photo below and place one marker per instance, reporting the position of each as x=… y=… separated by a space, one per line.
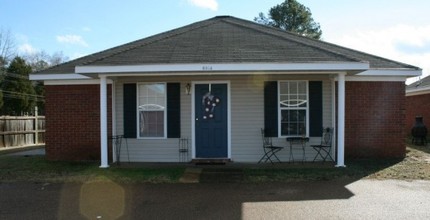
x=210 y=161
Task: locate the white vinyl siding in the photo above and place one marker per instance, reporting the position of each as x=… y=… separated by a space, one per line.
x=247 y=117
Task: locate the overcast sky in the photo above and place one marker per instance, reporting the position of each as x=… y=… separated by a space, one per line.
x=394 y=29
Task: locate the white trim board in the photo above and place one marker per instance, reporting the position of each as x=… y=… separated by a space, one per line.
x=419 y=91
x=348 y=78
x=62 y=76
x=391 y=72
x=75 y=82
x=222 y=67
x=226 y=69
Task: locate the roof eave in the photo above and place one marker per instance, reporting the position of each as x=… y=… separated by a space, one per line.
x=418 y=91
x=58 y=76
x=224 y=67
x=351 y=68
x=392 y=72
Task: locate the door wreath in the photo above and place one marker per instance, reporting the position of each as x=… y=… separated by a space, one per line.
x=209 y=103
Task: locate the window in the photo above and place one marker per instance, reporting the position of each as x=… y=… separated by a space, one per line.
x=293 y=108
x=152 y=110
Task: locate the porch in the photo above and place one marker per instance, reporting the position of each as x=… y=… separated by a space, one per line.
x=246 y=116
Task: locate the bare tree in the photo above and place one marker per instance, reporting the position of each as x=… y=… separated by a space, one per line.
x=7 y=47
x=42 y=60
x=39 y=61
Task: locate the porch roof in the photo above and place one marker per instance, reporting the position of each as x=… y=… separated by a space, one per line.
x=225 y=40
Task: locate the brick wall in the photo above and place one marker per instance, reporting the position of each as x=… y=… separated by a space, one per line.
x=73 y=121
x=375 y=119
x=417 y=105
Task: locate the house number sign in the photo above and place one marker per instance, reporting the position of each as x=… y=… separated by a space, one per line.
x=206 y=67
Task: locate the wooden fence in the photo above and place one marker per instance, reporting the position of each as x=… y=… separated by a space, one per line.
x=19 y=131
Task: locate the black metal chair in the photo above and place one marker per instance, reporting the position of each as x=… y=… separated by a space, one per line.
x=269 y=150
x=324 y=149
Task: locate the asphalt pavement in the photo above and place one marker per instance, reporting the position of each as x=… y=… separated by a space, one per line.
x=23 y=151
x=211 y=199
x=338 y=199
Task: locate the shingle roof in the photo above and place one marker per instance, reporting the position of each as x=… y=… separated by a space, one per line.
x=226 y=39
x=420 y=84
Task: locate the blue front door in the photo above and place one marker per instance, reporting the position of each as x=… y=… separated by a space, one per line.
x=211 y=133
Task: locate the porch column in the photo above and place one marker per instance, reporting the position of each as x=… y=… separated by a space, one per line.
x=103 y=123
x=341 y=121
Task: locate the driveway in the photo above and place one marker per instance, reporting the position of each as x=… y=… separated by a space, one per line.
x=339 y=199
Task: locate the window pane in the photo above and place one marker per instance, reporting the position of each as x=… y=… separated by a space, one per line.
x=283 y=87
x=151 y=94
x=293 y=88
x=303 y=100
x=293 y=105
x=160 y=101
x=150 y=100
x=151 y=107
x=151 y=124
x=155 y=90
x=283 y=100
x=293 y=122
x=302 y=87
x=143 y=92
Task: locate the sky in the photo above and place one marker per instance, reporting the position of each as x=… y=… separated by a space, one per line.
x=394 y=29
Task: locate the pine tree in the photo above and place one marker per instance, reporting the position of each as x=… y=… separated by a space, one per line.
x=291 y=16
x=19 y=96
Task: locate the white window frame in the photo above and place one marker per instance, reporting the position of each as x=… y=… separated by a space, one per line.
x=286 y=108
x=138 y=111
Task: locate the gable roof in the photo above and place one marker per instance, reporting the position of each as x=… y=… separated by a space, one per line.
x=225 y=40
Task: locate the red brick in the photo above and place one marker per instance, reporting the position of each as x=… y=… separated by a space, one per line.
x=375 y=119
x=417 y=105
x=73 y=121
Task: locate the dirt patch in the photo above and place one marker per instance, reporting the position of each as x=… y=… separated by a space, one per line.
x=416 y=165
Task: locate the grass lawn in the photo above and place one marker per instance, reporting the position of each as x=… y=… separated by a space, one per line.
x=38 y=169
x=416 y=166
x=356 y=169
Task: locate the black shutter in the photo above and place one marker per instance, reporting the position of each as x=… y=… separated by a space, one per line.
x=130 y=108
x=271 y=108
x=173 y=110
x=315 y=108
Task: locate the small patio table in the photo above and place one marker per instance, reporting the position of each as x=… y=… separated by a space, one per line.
x=297 y=140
